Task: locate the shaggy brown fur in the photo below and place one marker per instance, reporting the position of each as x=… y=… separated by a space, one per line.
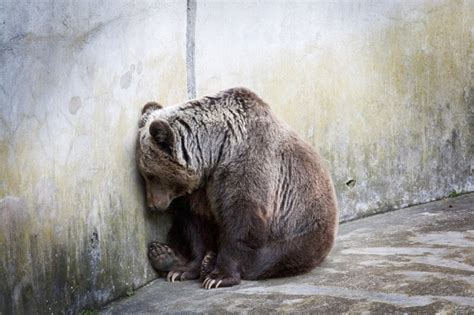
x=250 y=198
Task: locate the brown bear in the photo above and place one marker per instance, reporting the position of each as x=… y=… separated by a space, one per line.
x=250 y=199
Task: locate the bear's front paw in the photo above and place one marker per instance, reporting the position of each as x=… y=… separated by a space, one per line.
x=217 y=279
x=183 y=274
x=207 y=265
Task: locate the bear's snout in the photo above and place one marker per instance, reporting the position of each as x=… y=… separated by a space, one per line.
x=159 y=207
x=158 y=199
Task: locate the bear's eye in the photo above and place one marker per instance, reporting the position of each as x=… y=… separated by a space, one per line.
x=166 y=148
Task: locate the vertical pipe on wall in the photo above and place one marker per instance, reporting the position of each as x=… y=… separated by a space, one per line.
x=190 y=47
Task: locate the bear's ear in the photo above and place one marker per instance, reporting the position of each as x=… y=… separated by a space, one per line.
x=151 y=106
x=162 y=135
x=146 y=111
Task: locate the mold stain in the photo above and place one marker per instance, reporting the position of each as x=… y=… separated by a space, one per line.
x=139 y=67
x=126 y=79
x=74 y=104
x=68 y=200
x=360 y=126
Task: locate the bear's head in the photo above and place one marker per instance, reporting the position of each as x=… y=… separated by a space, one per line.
x=166 y=176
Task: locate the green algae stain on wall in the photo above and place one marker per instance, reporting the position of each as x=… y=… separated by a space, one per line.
x=78 y=233
x=386 y=106
x=73 y=223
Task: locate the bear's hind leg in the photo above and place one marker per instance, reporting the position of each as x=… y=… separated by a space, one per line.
x=170 y=264
x=289 y=258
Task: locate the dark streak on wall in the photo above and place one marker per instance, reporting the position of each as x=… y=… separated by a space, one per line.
x=190 y=47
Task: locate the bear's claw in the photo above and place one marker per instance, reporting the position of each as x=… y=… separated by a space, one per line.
x=185 y=273
x=214 y=281
x=172 y=275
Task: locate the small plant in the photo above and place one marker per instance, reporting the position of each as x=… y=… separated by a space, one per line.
x=88 y=312
x=454 y=194
x=130 y=292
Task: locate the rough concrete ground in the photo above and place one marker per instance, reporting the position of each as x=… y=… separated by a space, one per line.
x=419 y=259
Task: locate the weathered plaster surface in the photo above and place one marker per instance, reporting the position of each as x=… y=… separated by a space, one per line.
x=74 y=76
x=384 y=89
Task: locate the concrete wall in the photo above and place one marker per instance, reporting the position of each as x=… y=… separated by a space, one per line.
x=383 y=89
x=74 y=77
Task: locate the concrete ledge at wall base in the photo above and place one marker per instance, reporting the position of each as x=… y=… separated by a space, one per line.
x=390 y=208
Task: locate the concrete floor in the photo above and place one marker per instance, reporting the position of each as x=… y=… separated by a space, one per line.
x=419 y=259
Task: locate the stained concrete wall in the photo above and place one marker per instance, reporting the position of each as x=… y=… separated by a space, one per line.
x=383 y=89
x=74 y=76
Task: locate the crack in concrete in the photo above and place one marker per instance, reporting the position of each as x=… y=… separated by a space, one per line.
x=398 y=299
